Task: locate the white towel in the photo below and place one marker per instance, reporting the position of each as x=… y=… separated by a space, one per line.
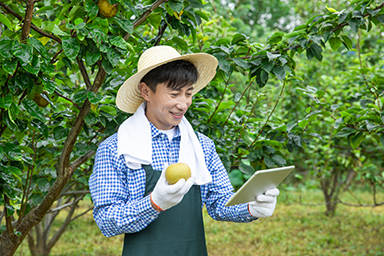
x=134 y=141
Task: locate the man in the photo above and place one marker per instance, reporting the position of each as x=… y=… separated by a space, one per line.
x=128 y=186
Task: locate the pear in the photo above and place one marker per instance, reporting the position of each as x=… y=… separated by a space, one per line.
x=177 y=171
x=106 y=9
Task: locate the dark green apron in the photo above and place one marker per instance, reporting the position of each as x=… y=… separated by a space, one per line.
x=177 y=231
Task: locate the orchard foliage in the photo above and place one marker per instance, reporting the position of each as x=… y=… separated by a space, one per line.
x=63 y=61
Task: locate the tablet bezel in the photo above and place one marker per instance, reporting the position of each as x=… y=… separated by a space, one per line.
x=246 y=194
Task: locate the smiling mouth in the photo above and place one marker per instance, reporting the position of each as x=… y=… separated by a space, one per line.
x=177 y=115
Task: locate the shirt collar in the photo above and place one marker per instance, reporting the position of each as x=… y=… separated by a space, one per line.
x=155 y=132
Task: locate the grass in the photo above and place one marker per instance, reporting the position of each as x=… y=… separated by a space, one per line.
x=298 y=227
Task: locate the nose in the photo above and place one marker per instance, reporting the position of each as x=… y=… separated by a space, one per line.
x=183 y=103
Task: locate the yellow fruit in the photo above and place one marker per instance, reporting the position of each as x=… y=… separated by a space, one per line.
x=40 y=100
x=174 y=172
x=106 y=9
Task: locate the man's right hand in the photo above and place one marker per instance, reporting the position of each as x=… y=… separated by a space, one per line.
x=165 y=196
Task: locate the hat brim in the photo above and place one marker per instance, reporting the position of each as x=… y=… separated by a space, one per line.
x=128 y=97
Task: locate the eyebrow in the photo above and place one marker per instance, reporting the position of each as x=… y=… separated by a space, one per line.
x=189 y=89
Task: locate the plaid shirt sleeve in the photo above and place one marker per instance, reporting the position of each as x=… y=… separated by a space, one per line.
x=217 y=193
x=119 y=207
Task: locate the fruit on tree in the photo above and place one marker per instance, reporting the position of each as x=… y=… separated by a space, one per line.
x=177 y=171
x=107 y=9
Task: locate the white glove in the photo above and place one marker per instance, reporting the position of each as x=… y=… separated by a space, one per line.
x=165 y=196
x=265 y=204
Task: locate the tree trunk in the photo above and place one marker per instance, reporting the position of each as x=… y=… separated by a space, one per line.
x=331 y=204
x=331 y=187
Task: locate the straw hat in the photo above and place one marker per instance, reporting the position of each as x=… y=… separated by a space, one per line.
x=128 y=97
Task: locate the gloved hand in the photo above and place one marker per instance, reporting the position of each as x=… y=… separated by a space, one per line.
x=265 y=204
x=164 y=196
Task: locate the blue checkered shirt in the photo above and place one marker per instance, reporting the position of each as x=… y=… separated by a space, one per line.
x=118 y=191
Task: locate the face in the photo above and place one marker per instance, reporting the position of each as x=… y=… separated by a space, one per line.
x=166 y=107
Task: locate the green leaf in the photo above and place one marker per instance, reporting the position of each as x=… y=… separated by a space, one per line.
x=317 y=51
x=91 y=8
x=246 y=168
x=71 y=47
x=43 y=184
x=5 y=48
x=345 y=132
x=119 y=42
x=236 y=178
x=10 y=66
x=269 y=162
x=176 y=5
x=24 y=53
x=5 y=21
x=347 y=42
x=108 y=109
x=6 y=101
x=38 y=46
x=279 y=160
x=356 y=139
x=80 y=96
x=126 y=25
x=57 y=31
x=92 y=55
x=237 y=38
x=279 y=72
x=100 y=24
x=113 y=57
x=60 y=133
x=241 y=63
x=94 y=98
x=107 y=66
x=335 y=43
x=33 y=109
x=98 y=36
x=34 y=66
x=272 y=56
x=49 y=86
x=276 y=37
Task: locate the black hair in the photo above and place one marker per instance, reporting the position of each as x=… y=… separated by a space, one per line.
x=176 y=74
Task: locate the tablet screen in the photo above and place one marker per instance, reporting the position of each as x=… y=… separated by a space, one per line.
x=260 y=182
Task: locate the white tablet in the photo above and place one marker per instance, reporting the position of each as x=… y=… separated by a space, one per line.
x=260 y=182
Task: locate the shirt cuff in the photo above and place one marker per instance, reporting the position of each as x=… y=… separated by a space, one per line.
x=148 y=210
x=244 y=211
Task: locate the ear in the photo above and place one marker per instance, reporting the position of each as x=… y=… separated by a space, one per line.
x=144 y=91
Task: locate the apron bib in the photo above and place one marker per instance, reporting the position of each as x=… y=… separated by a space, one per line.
x=177 y=231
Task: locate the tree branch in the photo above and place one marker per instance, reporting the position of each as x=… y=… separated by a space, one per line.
x=8 y=219
x=145 y=15
x=361 y=205
x=53 y=60
x=25 y=197
x=27 y=21
x=270 y=114
x=75 y=164
x=68 y=99
x=63 y=227
x=34 y=27
x=221 y=99
x=62 y=169
x=84 y=73
x=81 y=214
x=237 y=103
x=162 y=28
x=79 y=192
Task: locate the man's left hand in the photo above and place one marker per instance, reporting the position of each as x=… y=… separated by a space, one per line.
x=265 y=204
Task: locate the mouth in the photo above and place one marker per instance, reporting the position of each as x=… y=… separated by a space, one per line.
x=177 y=115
